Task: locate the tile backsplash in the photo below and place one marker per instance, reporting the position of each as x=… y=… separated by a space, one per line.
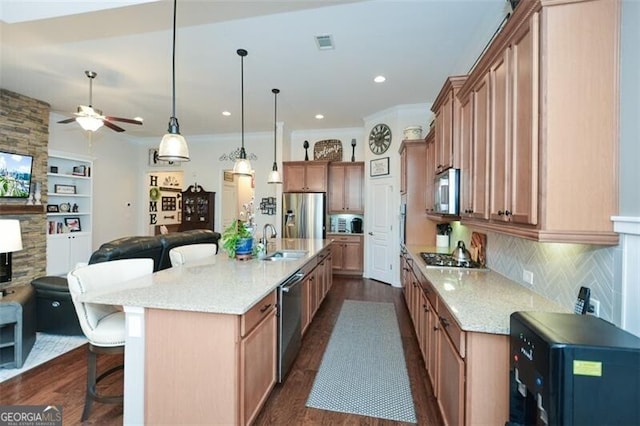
x=559 y=270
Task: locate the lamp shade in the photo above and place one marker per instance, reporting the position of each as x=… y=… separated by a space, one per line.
x=242 y=166
x=89 y=123
x=274 y=175
x=10 y=236
x=173 y=147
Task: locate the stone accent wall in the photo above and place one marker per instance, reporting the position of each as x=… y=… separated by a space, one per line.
x=24 y=129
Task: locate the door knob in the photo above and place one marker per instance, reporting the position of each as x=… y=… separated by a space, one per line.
x=370 y=233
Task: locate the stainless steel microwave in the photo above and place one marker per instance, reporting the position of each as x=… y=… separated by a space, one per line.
x=447 y=192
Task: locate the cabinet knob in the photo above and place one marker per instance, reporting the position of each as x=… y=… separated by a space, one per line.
x=500 y=213
x=445 y=322
x=264 y=308
x=508 y=213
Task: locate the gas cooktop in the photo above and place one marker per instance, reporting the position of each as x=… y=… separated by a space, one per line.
x=444 y=260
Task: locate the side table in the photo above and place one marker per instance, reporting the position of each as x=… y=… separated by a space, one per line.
x=17 y=326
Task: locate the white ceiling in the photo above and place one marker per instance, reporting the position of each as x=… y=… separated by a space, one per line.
x=47 y=45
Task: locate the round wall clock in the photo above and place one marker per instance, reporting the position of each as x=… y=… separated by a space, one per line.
x=380 y=138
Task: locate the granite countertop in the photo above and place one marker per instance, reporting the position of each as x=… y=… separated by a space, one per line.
x=481 y=301
x=216 y=285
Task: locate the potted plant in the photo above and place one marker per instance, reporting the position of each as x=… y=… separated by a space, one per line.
x=237 y=240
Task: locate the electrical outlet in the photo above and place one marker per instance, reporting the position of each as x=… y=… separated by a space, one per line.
x=527 y=277
x=595 y=307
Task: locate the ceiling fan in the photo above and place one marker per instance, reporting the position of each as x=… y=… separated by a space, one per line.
x=91 y=118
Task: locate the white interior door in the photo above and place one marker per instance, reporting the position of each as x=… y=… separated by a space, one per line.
x=229 y=207
x=380 y=232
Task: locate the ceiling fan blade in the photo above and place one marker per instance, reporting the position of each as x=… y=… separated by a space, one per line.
x=124 y=120
x=112 y=126
x=68 y=120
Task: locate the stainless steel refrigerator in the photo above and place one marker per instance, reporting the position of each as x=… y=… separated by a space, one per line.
x=304 y=215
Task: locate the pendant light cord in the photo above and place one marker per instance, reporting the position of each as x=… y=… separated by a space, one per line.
x=275 y=123
x=173 y=58
x=242 y=98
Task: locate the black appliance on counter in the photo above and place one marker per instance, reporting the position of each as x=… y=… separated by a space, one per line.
x=569 y=369
x=356 y=225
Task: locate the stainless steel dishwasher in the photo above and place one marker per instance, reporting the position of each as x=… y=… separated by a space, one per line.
x=289 y=322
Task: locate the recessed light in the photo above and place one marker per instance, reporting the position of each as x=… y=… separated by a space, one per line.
x=380 y=79
x=226 y=113
x=138 y=118
x=319 y=116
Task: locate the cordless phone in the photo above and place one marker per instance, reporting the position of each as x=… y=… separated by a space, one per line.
x=582 y=304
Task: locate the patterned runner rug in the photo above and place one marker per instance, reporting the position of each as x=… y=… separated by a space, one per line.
x=363 y=370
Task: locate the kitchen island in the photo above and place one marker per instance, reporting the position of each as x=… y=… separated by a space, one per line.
x=461 y=318
x=201 y=338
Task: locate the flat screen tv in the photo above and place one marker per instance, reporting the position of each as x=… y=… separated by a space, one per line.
x=15 y=175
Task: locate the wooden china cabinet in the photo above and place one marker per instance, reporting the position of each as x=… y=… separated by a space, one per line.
x=198 y=207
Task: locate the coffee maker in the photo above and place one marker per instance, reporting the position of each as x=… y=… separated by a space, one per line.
x=356 y=225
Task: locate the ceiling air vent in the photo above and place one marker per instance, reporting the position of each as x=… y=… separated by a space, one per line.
x=324 y=42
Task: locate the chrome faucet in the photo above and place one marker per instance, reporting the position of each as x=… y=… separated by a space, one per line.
x=263 y=240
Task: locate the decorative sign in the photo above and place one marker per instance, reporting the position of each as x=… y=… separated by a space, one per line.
x=165 y=192
x=268 y=205
x=330 y=149
x=154 y=161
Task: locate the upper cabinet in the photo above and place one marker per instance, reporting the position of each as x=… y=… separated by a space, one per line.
x=305 y=176
x=447 y=115
x=346 y=181
x=539 y=125
x=430 y=170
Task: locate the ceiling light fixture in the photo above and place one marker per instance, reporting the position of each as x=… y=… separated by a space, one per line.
x=173 y=146
x=89 y=123
x=274 y=175
x=319 y=116
x=242 y=166
x=380 y=79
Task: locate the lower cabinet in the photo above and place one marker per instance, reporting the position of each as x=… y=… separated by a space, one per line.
x=316 y=284
x=234 y=382
x=347 y=253
x=64 y=251
x=469 y=371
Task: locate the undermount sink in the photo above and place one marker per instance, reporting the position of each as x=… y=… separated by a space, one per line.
x=286 y=255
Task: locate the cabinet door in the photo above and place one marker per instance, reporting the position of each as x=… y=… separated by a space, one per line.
x=444 y=148
x=57 y=255
x=79 y=249
x=481 y=151
x=500 y=150
x=337 y=175
x=450 y=382
x=258 y=352
x=316 y=177
x=352 y=260
x=523 y=191
x=430 y=169
x=353 y=182
x=403 y=171
x=337 y=253
x=466 y=155
x=293 y=177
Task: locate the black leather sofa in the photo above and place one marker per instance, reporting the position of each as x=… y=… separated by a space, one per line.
x=55 y=311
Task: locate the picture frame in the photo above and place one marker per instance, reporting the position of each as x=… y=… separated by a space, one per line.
x=53 y=208
x=73 y=223
x=79 y=170
x=379 y=167
x=64 y=189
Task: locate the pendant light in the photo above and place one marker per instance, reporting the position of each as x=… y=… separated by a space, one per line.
x=173 y=146
x=242 y=166
x=274 y=175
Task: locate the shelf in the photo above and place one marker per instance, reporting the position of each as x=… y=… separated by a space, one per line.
x=68 y=176
x=68 y=214
x=20 y=209
x=57 y=194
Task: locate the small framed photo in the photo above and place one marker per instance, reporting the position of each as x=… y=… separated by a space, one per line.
x=379 y=167
x=64 y=189
x=52 y=208
x=80 y=170
x=73 y=223
x=53 y=169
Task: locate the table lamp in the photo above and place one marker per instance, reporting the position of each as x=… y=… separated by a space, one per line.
x=10 y=241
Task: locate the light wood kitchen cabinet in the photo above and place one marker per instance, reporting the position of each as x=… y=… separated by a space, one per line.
x=316 y=284
x=346 y=181
x=347 y=254
x=418 y=229
x=245 y=344
x=461 y=365
x=430 y=171
x=553 y=133
x=446 y=108
x=474 y=141
x=305 y=176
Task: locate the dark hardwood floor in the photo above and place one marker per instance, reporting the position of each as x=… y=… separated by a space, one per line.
x=61 y=381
